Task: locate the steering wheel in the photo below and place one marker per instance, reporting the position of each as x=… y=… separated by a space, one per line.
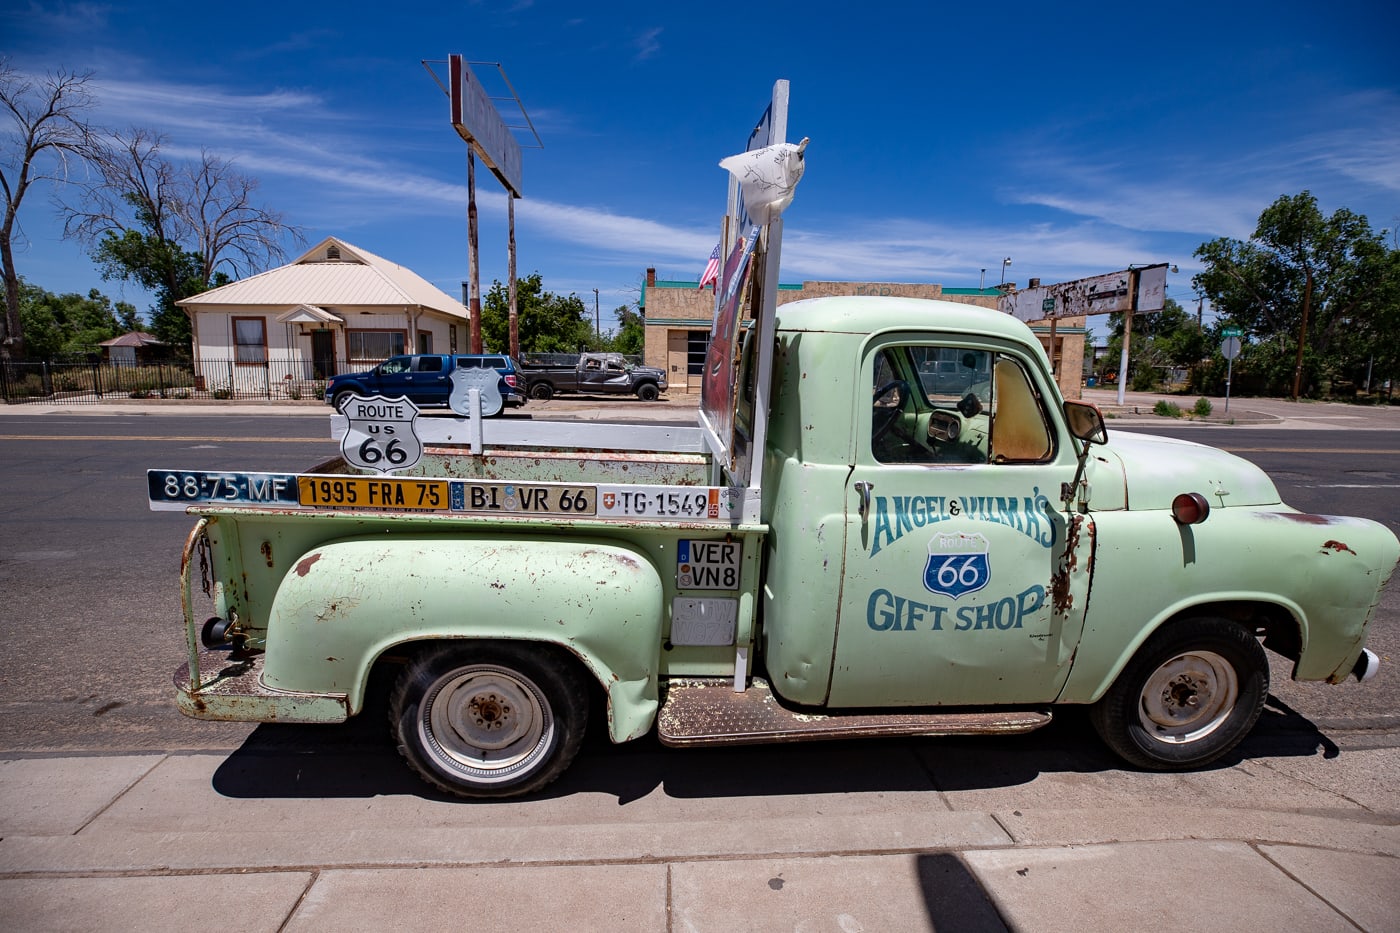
x=884 y=418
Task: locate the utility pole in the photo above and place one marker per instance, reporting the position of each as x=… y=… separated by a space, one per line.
x=473 y=265
x=597 y=321
x=1303 y=333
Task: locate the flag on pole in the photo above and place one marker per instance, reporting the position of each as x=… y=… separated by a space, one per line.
x=711 y=273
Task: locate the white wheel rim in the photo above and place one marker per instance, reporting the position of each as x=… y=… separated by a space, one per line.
x=485 y=723
x=1188 y=697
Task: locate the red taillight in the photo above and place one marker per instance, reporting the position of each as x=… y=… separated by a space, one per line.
x=1190 y=508
x=510 y=381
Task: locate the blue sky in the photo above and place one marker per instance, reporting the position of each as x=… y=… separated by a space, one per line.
x=1076 y=139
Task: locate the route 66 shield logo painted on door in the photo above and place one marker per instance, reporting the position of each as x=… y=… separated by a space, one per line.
x=958 y=564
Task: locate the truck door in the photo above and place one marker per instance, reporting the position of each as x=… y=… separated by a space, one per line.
x=965 y=579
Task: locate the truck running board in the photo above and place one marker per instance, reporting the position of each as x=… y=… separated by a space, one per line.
x=709 y=712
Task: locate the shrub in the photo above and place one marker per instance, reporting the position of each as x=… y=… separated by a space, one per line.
x=1167 y=409
x=1202 y=408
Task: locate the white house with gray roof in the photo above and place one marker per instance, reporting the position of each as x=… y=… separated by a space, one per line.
x=336 y=308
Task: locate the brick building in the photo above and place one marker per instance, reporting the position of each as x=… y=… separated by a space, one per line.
x=678 y=316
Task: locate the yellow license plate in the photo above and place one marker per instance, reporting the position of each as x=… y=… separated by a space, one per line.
x=374 y=492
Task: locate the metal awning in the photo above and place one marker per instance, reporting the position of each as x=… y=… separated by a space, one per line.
x=309 y=314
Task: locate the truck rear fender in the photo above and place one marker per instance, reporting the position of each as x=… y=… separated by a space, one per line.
x=347 y=602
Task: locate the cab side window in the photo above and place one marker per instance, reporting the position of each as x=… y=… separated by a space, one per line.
x=954 y=405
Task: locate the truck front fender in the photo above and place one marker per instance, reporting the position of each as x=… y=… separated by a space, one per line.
x=347 y=602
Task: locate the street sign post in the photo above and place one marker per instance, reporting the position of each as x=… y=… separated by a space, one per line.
x=1229 y=348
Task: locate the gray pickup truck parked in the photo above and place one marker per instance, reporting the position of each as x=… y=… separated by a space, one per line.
x=596 y=374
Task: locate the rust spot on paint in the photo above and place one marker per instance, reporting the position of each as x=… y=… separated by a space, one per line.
x=304 y=567
x=266 y=549
x=1301 y=517
x=1060 y=596
x=1337 y=546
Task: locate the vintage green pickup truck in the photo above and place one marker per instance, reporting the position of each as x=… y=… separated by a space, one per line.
x=849 y=543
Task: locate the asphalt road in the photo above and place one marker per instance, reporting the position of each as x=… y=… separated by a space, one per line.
x=90 y=615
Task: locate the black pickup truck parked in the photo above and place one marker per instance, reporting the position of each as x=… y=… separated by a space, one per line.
x=595 y=374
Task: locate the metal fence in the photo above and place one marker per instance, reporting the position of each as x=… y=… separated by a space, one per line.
x=92 y=382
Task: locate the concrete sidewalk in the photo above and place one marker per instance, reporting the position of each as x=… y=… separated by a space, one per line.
x=285 y=841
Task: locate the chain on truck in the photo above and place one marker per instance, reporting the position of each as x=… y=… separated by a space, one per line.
x=885 y=522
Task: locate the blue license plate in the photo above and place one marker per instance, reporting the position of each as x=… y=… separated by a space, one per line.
x=176 y=490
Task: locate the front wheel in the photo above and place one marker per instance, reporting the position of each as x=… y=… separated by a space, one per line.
x=340 y=398
x=648 y=392
x=1190 y=694
x=489 y=720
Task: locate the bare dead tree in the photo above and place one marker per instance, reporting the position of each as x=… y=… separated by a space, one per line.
x=205 y=208
x=46 y=129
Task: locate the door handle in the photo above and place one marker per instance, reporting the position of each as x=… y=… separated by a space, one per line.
x=863 y=490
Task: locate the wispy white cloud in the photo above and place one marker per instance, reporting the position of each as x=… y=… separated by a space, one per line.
x=1351 y=151
x=63 y=18
x=648 y=43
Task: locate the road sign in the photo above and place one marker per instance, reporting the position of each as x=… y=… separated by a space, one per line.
x=1231 y=332
x=1230 y=348
x=381 y=433
x=1099 y=294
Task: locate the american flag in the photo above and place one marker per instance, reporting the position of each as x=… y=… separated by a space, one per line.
x=711 y=273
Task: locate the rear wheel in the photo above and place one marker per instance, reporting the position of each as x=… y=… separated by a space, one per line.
x=542 y=391
x=648 y=392
x=1189 y=695
x=489 y=720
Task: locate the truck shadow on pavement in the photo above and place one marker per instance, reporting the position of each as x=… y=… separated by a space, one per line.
x=357 y=759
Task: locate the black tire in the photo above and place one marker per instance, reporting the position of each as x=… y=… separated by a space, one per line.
x=489 y=719
x=338 y=400
x=542 y=391
x=1192 y=692
x=648 y=392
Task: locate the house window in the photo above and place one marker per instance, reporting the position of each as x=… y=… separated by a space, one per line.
x=425 y=341
x=250 y=339
x=697 y=342
x=374 y=346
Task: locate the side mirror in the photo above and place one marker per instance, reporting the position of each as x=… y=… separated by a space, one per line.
x=1086 y=422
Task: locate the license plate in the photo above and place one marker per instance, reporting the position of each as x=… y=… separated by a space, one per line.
x=179 y=489
x=374 y=492
x=524 y=499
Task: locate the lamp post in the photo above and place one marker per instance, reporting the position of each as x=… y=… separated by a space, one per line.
x=1004 y=263
x=982 y=282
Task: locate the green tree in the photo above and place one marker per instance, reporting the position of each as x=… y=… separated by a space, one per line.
x=1317 y=283
x=1160 y=340
x=56 y=325
x=176 y=228
x=46 y=128
x=548 y=323
x=631 y=336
